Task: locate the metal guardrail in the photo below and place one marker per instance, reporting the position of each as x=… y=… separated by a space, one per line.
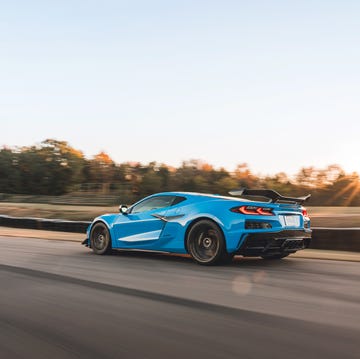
x=340 y=239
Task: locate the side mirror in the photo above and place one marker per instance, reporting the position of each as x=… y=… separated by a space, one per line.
x=123 y=208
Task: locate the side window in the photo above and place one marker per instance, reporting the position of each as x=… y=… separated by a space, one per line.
x=153 y=203
x=177 y=200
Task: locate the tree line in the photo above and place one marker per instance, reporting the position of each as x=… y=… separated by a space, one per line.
x=55 y=168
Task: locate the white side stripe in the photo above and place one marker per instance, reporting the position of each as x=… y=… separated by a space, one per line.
x=147 y=236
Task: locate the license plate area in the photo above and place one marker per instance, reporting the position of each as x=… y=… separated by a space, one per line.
x=290 y=220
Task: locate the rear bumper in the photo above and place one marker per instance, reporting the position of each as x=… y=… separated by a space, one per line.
x=281 y=242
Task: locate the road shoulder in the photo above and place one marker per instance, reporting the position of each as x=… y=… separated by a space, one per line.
x=36 y=233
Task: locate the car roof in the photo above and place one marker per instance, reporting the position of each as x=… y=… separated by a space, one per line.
x=197 y=194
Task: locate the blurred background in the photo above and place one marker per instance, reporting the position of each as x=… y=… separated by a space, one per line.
x=54 y=173
x=107 y=103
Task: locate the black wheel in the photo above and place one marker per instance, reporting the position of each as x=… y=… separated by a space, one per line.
x=205 y=243
x=275 y=256
x=100 y=240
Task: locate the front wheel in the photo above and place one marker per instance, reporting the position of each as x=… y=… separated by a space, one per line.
x=205 y=243
x=100 y=240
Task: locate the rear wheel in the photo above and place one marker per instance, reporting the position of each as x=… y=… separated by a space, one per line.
x=275 y=256
x=205 y=243
x=100 y=239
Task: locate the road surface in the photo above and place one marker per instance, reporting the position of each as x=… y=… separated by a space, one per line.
x=58 y=300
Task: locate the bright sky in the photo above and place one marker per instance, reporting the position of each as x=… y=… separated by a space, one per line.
x=272 y=83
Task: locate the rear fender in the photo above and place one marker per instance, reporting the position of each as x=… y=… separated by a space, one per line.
x=203 y=217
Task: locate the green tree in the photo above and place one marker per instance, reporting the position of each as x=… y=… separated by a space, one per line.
x=9 y=171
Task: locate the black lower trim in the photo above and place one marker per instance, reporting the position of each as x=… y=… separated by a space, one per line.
x=281 y=242
x=85 y=242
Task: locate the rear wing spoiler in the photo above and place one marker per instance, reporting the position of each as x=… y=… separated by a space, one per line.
x=271 y=194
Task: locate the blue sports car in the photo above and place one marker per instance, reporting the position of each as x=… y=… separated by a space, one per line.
x=211 y=228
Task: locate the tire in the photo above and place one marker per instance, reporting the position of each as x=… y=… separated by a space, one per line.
x=100 y=240
x=275 y=256
x=205 y=243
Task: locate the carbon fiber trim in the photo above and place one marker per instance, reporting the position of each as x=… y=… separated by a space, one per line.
x=287 y=241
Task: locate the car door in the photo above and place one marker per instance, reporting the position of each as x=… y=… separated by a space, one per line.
x=142 y=226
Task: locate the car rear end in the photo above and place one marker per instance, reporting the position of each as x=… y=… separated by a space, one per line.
x=271 y=229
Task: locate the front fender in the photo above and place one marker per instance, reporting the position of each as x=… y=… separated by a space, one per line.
x=107 y=219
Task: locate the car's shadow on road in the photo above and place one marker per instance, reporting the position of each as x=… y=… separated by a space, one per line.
x=237 y=262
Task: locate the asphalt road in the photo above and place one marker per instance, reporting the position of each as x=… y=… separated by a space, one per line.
x=58 y=300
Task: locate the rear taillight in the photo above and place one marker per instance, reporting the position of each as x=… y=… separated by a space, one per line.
x=253 y=210
x=304 y=212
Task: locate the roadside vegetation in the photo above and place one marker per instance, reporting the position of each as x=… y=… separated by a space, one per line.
x=56 y=173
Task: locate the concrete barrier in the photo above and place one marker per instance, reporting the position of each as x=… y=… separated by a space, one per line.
x=338 y=239
x=44 y=224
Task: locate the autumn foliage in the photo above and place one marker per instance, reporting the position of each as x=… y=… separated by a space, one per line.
x=55 y=168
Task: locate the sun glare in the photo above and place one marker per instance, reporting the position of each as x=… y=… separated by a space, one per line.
x=349 y=192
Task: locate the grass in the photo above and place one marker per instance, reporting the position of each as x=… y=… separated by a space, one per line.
x=341 y=217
